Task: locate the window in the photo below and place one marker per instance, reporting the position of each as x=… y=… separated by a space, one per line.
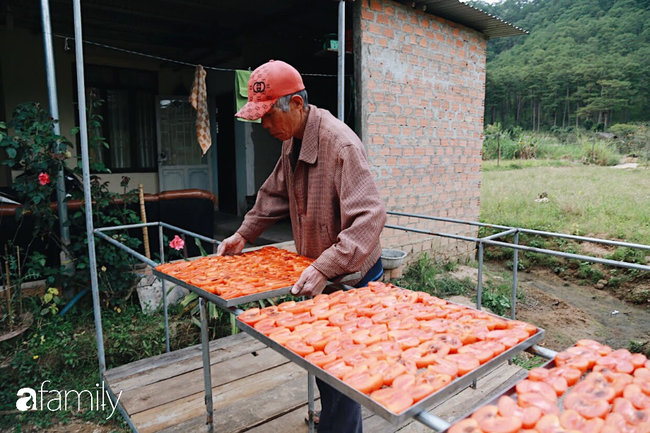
x=128 y=109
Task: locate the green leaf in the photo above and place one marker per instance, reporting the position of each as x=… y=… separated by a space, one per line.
x=47 y=298
x=11 y=152
x=44 y=311
x=197 y=241
x=189 y=298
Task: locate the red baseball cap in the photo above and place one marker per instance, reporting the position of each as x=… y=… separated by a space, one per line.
x=267 y=83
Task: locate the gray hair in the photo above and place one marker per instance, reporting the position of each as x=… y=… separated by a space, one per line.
x=283 y=102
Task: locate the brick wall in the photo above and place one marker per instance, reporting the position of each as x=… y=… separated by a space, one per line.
x=422 y=83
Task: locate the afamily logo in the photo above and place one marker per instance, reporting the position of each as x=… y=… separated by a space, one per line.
x=55 y=400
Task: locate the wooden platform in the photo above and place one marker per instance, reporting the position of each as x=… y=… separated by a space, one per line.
x=254 y=390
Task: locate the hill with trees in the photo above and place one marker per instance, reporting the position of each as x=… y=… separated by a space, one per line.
x=585 y=63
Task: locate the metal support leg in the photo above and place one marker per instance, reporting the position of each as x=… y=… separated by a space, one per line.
x=515 y=266
x=310 y=403
x=207 y=377
x=164 y=289
x=479 y=285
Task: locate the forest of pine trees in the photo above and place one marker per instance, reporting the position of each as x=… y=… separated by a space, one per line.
x=585 y=63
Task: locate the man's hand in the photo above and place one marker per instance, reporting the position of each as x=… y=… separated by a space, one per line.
x=310 y=283
x=232 y=245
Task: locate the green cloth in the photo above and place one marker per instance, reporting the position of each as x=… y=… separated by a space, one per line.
x=241 y=92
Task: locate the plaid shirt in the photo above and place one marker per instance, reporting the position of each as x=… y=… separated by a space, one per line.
x=336 y=211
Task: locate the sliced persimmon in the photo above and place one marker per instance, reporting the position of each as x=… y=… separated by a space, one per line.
x=396 y=401
x=572 y=360
x=466 y=362
x=365 y=382
x=404 y=381
x=509 y=408
x=337 y=368
x=631 y=414
x=483 y=355
x=436 y=325
x=635 y=395
x=394 y=369
x=435 y=380
x=585 y=406
x=282 y=336
x=444 y=366
x=320 y=359
x=252 y=316
x=421 y=390
x=539 y=401
x=299 y=347
x=490 y=421
x=468 y=425
x=388 y=348
x=542 y=388
x=452 y=340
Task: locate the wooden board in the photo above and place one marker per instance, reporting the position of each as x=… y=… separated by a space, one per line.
x=254 y=389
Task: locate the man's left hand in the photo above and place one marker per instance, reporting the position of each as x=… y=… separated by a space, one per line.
x=310 y=283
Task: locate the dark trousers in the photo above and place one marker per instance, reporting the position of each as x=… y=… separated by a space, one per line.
x=341 y=414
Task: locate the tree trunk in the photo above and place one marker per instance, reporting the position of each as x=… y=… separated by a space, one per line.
x=498 y=148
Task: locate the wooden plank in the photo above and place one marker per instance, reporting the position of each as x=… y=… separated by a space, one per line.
x=259 y=411
x=184 y=366
x=177 y=387
x=142 y=365
x=292 y=422
x=227 y=395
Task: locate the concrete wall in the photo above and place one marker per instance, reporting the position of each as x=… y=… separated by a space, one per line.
x=422 y=83
x=22 y=60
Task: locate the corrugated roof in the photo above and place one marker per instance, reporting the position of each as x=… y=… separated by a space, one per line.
x=469 y=16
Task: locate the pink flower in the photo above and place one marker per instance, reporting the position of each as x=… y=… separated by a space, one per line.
x=177 y=243
x=43 y=178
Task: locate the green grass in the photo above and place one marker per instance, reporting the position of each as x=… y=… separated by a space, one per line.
x=582 y=200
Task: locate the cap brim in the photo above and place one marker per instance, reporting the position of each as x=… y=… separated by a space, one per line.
x=255 y=110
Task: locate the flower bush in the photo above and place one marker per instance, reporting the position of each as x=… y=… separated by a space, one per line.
x=34 y=148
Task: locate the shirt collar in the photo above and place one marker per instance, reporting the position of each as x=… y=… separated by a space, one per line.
x=310 y=141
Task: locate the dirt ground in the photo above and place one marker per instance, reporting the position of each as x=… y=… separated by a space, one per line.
x=569 y=312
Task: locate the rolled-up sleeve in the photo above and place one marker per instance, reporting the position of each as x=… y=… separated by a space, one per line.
x=362 y=215
x=272 y=205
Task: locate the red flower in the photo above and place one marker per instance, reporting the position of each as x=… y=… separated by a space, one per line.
x=43 y=178
x=177 y=243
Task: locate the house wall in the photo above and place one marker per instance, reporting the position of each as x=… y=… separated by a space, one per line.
x=22 y=60
x=422 y=83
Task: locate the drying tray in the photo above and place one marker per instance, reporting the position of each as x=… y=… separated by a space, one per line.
x=233 y=302
x=440 y=395
x=509 y=392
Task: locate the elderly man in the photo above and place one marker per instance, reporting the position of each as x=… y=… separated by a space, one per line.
x=323 y=182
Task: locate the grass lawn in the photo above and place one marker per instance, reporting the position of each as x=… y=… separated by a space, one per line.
x=583 y=200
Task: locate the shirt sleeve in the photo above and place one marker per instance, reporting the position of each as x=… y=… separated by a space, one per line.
x=362 y=216
x=272 y=205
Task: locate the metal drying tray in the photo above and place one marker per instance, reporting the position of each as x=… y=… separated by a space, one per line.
x=233 y=302
x=440 y=395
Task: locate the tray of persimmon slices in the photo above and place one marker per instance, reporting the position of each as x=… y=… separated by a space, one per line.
x=587 y=388
x=233 y=280
x=393 y=350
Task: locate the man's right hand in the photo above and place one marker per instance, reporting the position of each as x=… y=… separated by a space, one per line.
x=232 y=245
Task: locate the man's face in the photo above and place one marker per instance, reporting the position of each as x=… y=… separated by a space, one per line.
x=282 y=125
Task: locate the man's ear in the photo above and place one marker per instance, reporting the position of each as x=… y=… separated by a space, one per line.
x=297 y=101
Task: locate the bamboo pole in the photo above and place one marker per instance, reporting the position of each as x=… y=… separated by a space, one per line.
x=8 y=290
x=20 y=283
x=143 y=217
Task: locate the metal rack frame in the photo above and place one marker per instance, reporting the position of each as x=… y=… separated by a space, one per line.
x=417 y=412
